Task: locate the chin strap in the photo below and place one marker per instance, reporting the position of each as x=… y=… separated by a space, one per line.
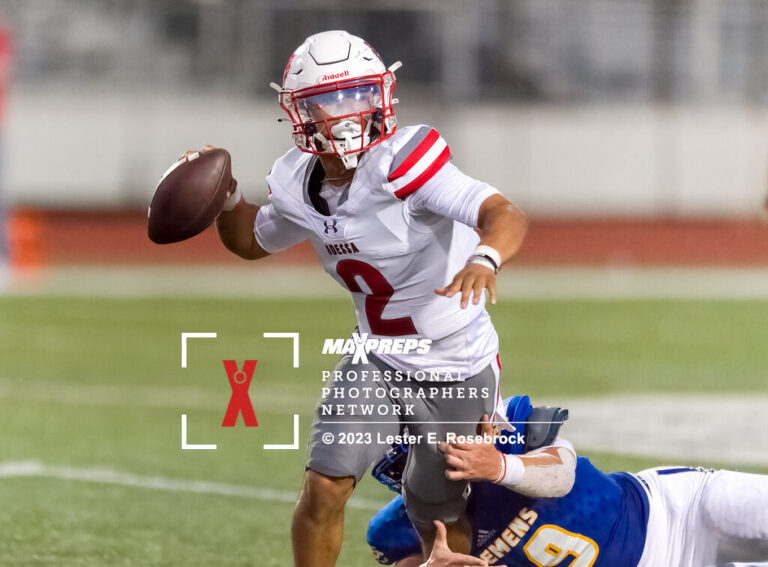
x=349 y=160
x=352 y=136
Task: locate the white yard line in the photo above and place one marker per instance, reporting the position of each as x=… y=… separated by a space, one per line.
x=708 y=428
x=20 y=469
x=179 y=397
x=311 y=282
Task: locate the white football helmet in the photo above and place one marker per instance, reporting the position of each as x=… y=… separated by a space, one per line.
x=338 y=95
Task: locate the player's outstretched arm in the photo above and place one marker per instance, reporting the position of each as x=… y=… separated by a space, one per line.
x=235 y=228
x=235 y=221
x=548 y=472
x=502 y=228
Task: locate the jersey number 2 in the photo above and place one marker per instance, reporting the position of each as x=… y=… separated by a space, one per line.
x=551 y=545
x=376 y=301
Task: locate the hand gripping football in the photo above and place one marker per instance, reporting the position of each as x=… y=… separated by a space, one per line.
x=190 y=196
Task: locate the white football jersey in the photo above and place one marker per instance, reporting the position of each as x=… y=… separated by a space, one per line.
x=404 y=227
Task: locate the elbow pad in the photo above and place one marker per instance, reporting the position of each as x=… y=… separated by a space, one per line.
x=543 y=426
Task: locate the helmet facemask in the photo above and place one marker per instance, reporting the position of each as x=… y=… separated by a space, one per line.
x=342 y=118
x=389 y=469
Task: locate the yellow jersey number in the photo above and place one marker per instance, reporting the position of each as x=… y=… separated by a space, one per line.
x=551 y=545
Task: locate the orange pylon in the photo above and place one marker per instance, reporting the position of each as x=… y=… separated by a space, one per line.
x=25 y=240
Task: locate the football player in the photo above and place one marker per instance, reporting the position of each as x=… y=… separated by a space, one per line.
x=418 y=244
x=534 y=503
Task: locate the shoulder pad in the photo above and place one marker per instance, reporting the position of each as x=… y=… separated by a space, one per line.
x=286 y=184
x=417 y=160
x=287 y=176
x=543 y=426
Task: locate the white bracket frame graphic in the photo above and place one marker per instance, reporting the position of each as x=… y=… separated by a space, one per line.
x=294 y=336
x=184 y=445
x=295 y=445
x=185 y=336
x=212 y=446
x=192 y=446
x=292 y=447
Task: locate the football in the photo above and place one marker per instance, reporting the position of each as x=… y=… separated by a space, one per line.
x=190 y=196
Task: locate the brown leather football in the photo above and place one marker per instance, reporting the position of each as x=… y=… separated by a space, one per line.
x=190 y=196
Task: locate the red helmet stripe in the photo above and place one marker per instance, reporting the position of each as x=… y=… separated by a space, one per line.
x=287 y=67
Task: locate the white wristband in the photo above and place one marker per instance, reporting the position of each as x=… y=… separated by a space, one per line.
x=483 y=262
x=512 y=470
x=492 y=253
x=232 y=201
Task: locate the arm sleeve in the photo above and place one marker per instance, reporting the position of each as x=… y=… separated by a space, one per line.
x=550 y=481
x=275 y=233
x=451 y=193
x=561 y=443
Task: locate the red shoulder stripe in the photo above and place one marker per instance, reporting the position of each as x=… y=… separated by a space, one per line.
x=415 y=155
x=434 y=167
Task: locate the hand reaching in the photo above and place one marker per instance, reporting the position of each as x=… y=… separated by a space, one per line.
x=473 y=461
x=470 y=282
x=442 y=556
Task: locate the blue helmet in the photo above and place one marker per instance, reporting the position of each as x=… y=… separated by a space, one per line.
x=517 y=410
x=389 y=468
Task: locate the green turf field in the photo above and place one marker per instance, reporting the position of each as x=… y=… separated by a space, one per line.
x=97 y=384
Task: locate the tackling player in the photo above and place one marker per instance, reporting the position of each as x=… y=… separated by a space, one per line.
x=547 y=507
x=397 y=224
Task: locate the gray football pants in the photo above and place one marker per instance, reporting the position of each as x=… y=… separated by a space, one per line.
x=359 y=417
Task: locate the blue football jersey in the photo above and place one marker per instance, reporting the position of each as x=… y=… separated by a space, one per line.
x=601 y=522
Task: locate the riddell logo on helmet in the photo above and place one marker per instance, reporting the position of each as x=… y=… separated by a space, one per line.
x=334 y=76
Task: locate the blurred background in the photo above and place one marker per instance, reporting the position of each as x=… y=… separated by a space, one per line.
x=632 y=132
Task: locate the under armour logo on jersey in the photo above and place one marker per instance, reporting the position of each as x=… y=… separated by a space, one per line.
x=331 y=225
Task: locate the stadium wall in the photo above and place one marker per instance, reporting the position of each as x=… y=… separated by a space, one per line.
x=90 y=150
x=77 y=237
